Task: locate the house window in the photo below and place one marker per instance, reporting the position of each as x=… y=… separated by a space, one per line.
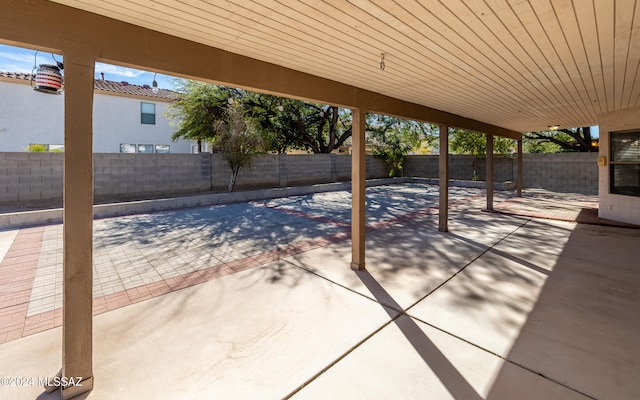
x=127 y=148
x=162 y=148
x=148 y=113
x=145 y=148
x=625 y=163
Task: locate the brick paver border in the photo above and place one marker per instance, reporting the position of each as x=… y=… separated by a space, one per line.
x=17 y=272
x=15 y=324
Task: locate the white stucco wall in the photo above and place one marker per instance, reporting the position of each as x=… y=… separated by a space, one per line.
x=614 y=206
x=27 y=116
x=116 y=120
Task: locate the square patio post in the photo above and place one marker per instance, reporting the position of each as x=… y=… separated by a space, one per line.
x=443 y=179
x=519 y=183
x=358 y=189
x=77 y=324
x=489 y=180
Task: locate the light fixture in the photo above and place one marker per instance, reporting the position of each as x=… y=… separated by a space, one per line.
x=154 y=84
x=382 y=65
x=553 y=127
x=280 y=108
x=230 y=100
x=47 y=77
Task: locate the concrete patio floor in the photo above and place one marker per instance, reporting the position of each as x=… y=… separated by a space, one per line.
x=500 y=307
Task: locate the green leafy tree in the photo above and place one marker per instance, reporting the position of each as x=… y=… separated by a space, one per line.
x=562 y=140
x=294 y=124
x=36 y=148
x=43 y=148
x=268 y=114
x=393 y=138
x=537 y=146
x=198 y=106
x=285 y=124
x=466 y=142
x=237 y=139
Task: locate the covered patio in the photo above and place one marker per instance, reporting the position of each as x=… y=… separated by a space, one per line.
x=501 y=307
x=499 y=69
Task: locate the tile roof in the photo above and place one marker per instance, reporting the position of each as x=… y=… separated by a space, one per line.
x=110 y=86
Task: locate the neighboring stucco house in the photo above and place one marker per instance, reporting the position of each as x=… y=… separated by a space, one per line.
x=126 y=117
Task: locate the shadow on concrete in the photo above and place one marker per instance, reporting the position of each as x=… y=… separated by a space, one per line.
x=503 y=254
x=589 y=215
x=455 y=383
x=56 y=395
x=583 y=330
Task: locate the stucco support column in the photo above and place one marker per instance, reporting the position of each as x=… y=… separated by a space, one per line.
x=77 y=324
x=358 y=189
x=519 y=182
x=443 y=179
x=489 y=166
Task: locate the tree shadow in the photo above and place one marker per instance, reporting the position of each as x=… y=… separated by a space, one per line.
x=224 y=233
x=195 y=239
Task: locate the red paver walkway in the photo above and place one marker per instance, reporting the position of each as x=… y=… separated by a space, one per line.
x=17 y=270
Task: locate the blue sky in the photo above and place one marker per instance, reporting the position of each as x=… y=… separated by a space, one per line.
x=17 y=59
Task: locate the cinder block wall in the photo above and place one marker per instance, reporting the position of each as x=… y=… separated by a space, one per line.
x=375 y=168
x=126 y=176
x=460 y=167
x=343 y=167
x=565 y=172
x=30 y=177
x=304 y=169
x=264 y=172
x=37 y=177
x=273 y=170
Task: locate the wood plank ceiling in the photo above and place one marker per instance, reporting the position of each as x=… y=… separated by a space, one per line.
x=519 y=64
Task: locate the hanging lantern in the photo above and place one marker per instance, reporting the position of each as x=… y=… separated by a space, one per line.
x=48 y=79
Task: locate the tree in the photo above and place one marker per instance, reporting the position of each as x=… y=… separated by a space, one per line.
x=198 y=107
x=267 y=113
x=393 y=138
x=539 y=146
x=285 y=124
x=237 y=140
x=573 y=139
x=466 y=142
x=36 y=148
x=296 y=124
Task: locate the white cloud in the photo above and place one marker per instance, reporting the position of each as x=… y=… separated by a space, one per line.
x=16 y=59
x=16 y=62
x=113 y=70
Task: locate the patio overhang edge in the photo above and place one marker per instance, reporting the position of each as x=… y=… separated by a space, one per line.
x=30 y=23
